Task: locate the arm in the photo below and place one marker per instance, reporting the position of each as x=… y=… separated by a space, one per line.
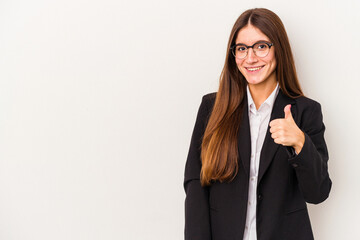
x=311 y=163
x=197 y=216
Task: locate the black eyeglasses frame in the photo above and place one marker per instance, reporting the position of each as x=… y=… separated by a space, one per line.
x=247 y=47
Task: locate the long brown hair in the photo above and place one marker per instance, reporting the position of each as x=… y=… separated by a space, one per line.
x=219 y=148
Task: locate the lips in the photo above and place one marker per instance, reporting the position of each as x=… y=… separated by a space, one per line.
x=254 y=69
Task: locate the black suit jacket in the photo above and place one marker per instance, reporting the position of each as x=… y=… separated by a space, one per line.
x=285 y=181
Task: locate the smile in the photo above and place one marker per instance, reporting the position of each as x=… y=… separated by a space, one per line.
x=254 y=69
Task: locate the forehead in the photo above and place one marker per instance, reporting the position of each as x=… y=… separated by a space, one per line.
x=250 y=35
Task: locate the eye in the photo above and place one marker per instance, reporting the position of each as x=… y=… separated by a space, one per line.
x=240 y=48
x=261 y=46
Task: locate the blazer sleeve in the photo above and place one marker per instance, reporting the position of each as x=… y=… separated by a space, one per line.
x=311 y=163
x=197 y=216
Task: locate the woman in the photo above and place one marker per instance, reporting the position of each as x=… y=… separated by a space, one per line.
x=257 y=152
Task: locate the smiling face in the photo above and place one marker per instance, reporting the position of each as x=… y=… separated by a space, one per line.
x=256 y=70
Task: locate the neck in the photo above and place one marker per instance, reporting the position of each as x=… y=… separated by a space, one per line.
x=260 y=92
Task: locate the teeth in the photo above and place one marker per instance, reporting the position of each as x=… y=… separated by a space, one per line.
x=253 y=69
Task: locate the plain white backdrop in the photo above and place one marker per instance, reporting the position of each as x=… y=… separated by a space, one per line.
x=98 y=101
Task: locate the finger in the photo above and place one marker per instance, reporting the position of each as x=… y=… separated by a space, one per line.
x=274 y=136
x=279 y=133
x=277 y=140
x=275 y=128
x=287 y=111
x=275 y=122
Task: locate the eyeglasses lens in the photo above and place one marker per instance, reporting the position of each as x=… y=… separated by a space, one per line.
x=260 y=50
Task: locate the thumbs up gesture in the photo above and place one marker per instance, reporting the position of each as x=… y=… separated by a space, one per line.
x=284 y=131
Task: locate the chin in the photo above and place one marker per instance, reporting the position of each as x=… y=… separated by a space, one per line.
x=254 y=81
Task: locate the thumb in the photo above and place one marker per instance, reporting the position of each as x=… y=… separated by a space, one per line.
x=288 y=112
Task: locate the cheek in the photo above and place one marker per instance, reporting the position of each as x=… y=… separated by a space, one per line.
x=239 y=63
x=274 y=64
x=272 y=60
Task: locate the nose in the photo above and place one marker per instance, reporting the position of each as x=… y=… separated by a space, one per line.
x=251 y=57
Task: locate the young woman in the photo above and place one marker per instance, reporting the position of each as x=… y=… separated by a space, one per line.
x=257 y=152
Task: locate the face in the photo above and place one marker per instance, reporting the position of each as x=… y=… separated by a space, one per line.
x=256 y=70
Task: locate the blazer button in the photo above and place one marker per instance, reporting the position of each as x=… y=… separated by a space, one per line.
x=295 y=165
x=260 y=197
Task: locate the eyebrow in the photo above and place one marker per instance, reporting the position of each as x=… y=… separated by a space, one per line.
x=253 y=43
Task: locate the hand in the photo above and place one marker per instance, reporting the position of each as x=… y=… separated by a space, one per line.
x=284 y=131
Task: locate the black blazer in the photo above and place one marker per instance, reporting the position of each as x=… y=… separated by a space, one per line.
x=285 y=181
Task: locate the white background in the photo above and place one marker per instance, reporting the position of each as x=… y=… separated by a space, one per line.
x=98 y=101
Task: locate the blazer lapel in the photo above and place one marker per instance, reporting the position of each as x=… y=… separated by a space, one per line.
x=269 y=147
x=244 y=140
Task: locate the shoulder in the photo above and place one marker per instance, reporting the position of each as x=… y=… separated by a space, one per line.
x=307 y=104
x=303 y=103
x=206 y=106
x=209 y=96
x=309 y=113
x=209 y=99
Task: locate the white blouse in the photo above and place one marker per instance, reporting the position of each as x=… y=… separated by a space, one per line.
x=259 y=122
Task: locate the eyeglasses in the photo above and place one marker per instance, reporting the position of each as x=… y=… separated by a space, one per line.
x=261 y=49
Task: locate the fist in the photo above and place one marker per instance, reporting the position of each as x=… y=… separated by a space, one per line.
x=284 y=131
